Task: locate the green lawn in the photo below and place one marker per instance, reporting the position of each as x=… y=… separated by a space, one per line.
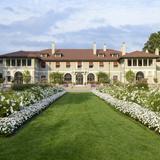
x=81 y=126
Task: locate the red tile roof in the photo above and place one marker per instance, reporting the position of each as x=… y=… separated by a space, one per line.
x=139 y=54
x=78 y=55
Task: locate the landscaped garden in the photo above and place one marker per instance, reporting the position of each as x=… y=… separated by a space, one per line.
x=16 y=107
x=135 y=99
x=80 y=126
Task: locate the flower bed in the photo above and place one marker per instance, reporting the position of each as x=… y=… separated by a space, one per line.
x=146 y=98
x=14 y=101
x=9 y=125
x=144 y=115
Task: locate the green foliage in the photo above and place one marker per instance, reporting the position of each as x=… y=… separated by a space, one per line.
x=98 y=133
x=155 y=80
x=22 y=87
x=153 y=42
x=142 y=84
x=2 y=80
x=103 y=77
x=130 y=76
x=56 y=77
x=26 y=76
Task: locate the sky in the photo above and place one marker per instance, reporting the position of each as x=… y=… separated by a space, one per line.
x=34 y=24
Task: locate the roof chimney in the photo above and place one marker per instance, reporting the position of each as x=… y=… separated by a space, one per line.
x=104 y=47
x=123 y=49
x=94 y=48
x=53 y=48
x=157 y=51
x=147 y=51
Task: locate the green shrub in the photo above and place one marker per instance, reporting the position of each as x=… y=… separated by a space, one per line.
x=26 y=76
x=142 y=84
x=2 y=80
x=21 y=87
x=130 y=76
x=103 y=77
x=56 y=77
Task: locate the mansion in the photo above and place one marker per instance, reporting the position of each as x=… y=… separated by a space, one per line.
x=80 y=66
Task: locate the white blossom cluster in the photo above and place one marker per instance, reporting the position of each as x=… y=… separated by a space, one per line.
x=10 y=124
x=147 y=117
x=146 y=98
x=18 y=100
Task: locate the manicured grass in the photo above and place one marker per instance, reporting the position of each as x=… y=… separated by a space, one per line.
x=80 y=126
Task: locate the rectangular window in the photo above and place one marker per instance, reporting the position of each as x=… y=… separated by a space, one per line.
x=68 y=65
x=1 y=75
x=145 y=62
x=23 y=62
x=129 y=62
x=18 y=62
x=79 y=65
x=1 y=61
x=43 y=64
x=7 y=62
x=57 y=64
x=150 y=62
x=140 y=62
x=29 y=62
x=115 y=64
x=101 y=64
x=134 y=62
x=13 y=62
x=90 y=64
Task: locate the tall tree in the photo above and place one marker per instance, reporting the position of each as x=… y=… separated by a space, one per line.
x=153 y=42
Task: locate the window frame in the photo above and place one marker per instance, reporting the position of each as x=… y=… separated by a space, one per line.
x=101 y=64
x=79 y=64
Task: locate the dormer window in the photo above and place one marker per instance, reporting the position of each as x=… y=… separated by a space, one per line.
x=58 y=54
x=114 y=55
x=101 y=54
x=44 y=55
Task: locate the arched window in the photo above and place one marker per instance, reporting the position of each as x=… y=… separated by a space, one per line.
x=79 y=78
x=67 y=77
x=139 y=76
x=18 y=78
x=90 y=77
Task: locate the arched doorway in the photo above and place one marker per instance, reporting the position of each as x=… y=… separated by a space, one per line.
x=139 y=76
x=68 y=78
x=79 y=78
x=18 y=78
x=90 y=78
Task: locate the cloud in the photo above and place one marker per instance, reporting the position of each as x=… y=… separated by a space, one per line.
x=76 y=24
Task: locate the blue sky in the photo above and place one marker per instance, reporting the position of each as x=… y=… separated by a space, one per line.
x=33 y=24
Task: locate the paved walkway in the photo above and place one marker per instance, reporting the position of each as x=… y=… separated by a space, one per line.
x=78 y=88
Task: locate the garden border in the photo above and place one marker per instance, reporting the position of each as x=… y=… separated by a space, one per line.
x=144 y=115
x=8 y=125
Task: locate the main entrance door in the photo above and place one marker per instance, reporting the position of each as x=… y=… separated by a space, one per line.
x=79 y=78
